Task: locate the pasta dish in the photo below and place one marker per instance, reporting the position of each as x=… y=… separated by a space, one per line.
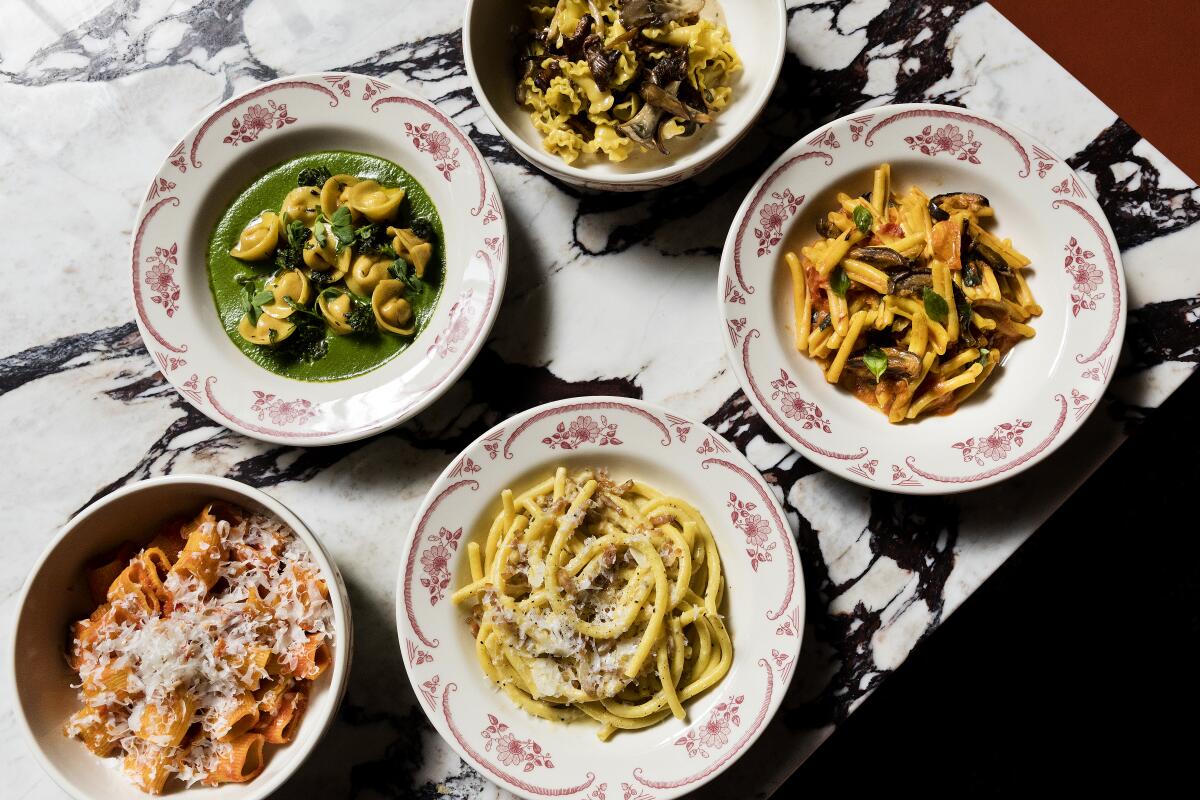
x=202 y=650
x=596 y=599
x=907 y=300
x=617 y=76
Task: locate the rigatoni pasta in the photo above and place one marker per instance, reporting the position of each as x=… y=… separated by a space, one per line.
x=592 y=599
x=908 y=301
x=202 y=650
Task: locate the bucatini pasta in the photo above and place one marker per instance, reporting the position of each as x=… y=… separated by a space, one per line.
x=202 y=650
x=592 y=599
x=614 y=77
x=908 y=301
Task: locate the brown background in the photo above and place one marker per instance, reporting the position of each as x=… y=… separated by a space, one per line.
x=1141 y=57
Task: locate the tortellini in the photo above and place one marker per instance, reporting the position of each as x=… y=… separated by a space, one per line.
x=367 y=272
x=373 y=201
x=412 y=248
x=333 y=193
x=258 y=239
x=326 y=258
x=302 y=203
x=267 y=330
x=335 y=307
x=291 y=284
x=392 y=312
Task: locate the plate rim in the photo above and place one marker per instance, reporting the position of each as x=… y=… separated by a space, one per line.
x=498 y=262
x=1113 y=346
x=798 y=597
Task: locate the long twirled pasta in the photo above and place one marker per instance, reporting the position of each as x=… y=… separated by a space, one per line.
x=597 y=599
x=907 y=301
x=202 y=650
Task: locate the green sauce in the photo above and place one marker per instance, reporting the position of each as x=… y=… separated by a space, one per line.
x=347 y=356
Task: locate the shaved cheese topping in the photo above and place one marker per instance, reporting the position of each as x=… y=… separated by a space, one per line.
x=171 y=667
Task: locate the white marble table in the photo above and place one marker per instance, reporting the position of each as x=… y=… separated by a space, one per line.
x=93 y=97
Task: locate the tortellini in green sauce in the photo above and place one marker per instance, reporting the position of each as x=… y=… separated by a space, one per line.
x=335 y=256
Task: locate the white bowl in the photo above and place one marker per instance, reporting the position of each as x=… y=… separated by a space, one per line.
x=764 y=605
x=1047 y=385
x=232 y=146
x=756 y=28
x=56 y=594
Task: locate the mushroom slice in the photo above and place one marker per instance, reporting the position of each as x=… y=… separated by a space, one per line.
x=267 y=331
x=302 y=203
x=669 y=102
x=656 y=13
x=943 y=205
x=900 y=364
x=881 y=257
x=259 y=238
x=415 y=249
x=335 y=306
x=993 y=259
x=290 y=283
x=373 y=201
x=333 y=193
x=642 y=127
x=366 y=273
x=910 y=282
x=392 y=312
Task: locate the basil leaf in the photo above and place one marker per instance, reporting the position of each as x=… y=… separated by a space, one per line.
x=863 y=218
x=876 y=360
x=935 y=306
x=342 y=227
x=839 y=281
x=970 y=275
x=983 y=356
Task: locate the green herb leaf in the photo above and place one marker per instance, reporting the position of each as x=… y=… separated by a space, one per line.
x=839 y=281
x=319 y=232
x=984 y=356
x=876 y=360
x=935 y=306
x=297 y=234
x=863 y=218
x=262 y=297
x=970 y=275
x=313 y=176
x=342 y=227
x=964 y=313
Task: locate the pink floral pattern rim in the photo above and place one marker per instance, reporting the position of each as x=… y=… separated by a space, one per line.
x=798 y=411
x=160 y=295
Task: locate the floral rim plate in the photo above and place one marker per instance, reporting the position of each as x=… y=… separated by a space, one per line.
x=1046 y=387
x=764 y=607
x=233 y=145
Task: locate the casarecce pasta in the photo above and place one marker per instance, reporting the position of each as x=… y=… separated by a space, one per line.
x=203 y=649
x=908 y=301
x=592 y=599
x=615 y=76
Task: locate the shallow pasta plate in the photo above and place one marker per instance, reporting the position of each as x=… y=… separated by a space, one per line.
x=56 y=593
x=235 y=144
x=763 y=607
x=1045 y=387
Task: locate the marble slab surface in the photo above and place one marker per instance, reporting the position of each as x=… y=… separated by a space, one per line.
x=94 y=96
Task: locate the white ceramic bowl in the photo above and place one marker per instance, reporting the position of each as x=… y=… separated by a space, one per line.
x=757 y=29
x=764 y=604
x=56 y=594
x=1046 y=386
x=235 y=144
